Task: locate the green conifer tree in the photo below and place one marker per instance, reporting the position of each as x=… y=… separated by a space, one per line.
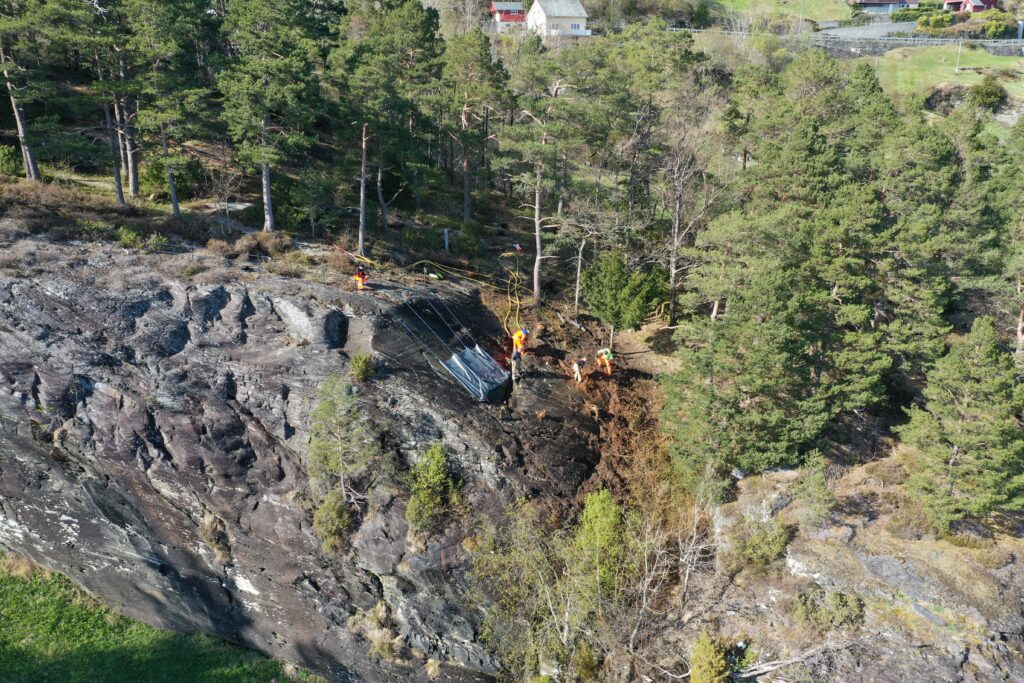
x=967 y=437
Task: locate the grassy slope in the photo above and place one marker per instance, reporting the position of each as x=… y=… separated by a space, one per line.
x=50 y=631
x=816 y=10
x=909 y=71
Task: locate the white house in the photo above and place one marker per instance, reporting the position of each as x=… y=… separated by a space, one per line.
x=557 y=18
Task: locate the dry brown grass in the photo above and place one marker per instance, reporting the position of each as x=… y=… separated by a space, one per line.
x=22 y=568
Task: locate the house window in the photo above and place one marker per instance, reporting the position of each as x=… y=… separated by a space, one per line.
x=575 y=27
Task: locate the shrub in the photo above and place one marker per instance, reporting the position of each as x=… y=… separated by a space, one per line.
x=213 y=532
x=157 y=242
x=274 y=243
x=988 y=94
x=707 y=662
x=433 y=489
x=129 y=238
x=766 y=542
x=193 y=269
x=220 y=248
x=267 y=243
x=812 y=491
x=364 y=366
x=823 y=611
x=586 y=663
x=10 y=160
x=92 y=228
x=292 y=264
x=333 y=520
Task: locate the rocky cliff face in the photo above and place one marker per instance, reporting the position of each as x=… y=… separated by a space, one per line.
x=153 y=435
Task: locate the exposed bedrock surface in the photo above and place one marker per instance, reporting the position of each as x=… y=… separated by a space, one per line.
x=141 y=408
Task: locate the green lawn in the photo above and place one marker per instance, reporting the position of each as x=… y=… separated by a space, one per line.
x=816 y=10
x=918 y=70
x=50 y=631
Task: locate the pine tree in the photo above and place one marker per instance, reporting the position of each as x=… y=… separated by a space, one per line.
x=622 y=298
x=171 y=98
x=270 y=96
x=477 y=87
x=967 y=437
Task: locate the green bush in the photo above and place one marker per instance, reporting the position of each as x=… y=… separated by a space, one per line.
x=333 y=520
x=364 y=366
x=765 y=542
x=913 y=13
x=823 y=611
x=433 y=489
x=988 y=94
x=129 y=238
x=707 y=662
x=93 y=229
x=157 y=242
x=10 y=161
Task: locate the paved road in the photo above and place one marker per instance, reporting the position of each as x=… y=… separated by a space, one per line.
x=880 y=30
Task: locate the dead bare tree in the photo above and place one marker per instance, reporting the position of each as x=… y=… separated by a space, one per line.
x=687 y=187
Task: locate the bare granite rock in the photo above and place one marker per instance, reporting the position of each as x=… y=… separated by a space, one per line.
x=137 y=405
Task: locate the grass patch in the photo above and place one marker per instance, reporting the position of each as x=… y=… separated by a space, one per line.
x=815 y=10
x=52 y=631
x=919 y=70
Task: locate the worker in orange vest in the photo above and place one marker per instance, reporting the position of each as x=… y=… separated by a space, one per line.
x=604 y=360
x=360 y=277
x=519 y=340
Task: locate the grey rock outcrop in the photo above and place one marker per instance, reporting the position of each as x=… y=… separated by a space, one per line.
x=139 y=408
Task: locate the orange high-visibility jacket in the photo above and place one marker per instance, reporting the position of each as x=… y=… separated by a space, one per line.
x=519 y=339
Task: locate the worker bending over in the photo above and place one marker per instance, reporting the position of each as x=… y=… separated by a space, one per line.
x=604 y=360
x=514 y=361
x=577 y=369
x=360 y=277
x=519 y=340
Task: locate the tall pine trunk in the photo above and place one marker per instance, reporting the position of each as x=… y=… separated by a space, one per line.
x=171 y=187
x=119 y=125
x=114 y=154
x=380 y=192
x=362 y=196
x=131 y=153
x=129 y=109
x=673 y=263
x=1019 y=355
x=465 y=166
x=466 y=212
x=537 y=223
x=268 y=202
x=28 y=158
x=579 y=278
